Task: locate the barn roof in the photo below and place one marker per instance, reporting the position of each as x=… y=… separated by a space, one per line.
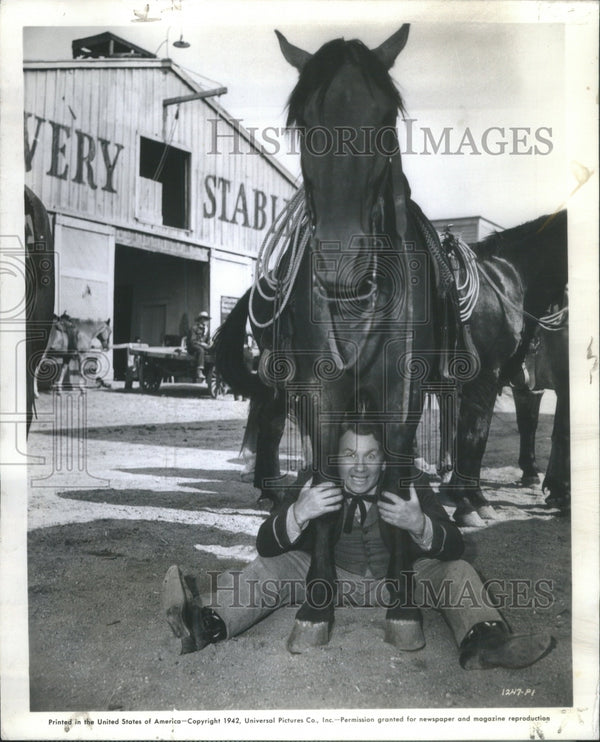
x=107 y=44
x=144 y=63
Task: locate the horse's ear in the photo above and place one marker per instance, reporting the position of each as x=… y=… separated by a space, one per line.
x=389 y=50
x=108 y=321
x=294 y=55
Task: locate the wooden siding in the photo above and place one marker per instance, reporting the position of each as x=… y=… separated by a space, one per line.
x=471 y=229
x=119 y=103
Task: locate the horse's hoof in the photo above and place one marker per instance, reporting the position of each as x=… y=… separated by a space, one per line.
x=486 y=512
x=529 y=480
x=465 y=515
x=561 y=501
x=265 y=503
x=424 y=466
x=445 y=476
x=306 y=635
x=404 y=635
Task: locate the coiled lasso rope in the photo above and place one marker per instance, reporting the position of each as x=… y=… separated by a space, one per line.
x=468 y=289
x=285 y=241
x=554 y=321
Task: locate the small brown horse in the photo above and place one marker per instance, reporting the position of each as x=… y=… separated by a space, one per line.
x=73 y=338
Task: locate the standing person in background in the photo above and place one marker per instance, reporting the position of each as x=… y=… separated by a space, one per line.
x=199 y=342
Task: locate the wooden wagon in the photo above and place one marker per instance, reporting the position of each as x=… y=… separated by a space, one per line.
x=151 y=365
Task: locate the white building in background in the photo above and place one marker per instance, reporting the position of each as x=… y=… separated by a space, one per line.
x=160 y=200
x=471 y=229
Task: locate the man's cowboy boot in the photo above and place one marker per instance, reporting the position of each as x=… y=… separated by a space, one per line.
x=189 y=620
x=491 y=644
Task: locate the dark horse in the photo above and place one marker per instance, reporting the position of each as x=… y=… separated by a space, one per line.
x=523 y=273
x=546 y=366
x=39 y=287
x=353 y=319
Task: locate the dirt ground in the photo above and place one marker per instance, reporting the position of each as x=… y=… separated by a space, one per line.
x=156 y=481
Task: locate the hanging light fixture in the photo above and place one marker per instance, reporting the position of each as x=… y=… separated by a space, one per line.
x=181 y=44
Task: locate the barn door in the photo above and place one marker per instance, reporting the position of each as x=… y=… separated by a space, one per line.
x=153 y=323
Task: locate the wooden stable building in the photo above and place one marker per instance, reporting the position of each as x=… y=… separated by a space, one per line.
x=160 y=200
x=471 y=229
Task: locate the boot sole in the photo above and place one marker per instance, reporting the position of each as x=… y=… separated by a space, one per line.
x=517 y=651
x=174 y=600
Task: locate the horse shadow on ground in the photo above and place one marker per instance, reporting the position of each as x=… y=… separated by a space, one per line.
x=205 y=434
x=212 y=488
x=539 y=509
x=181 y=391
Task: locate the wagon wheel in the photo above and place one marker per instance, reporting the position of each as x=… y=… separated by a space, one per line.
x=150 y=378
x=216 y=386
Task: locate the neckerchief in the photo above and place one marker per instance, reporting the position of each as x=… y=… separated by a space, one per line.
x=356 y=501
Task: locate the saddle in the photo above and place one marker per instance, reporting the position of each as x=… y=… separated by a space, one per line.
x=452 y=328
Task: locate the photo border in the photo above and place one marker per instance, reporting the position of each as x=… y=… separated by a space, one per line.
x=577 y=722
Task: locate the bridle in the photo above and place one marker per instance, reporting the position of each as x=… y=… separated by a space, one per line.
x=286 y=241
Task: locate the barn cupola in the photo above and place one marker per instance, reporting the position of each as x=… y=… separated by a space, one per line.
x=108 y=46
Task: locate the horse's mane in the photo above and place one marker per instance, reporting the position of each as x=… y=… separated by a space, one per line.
x=525 y=236
x=322 y=67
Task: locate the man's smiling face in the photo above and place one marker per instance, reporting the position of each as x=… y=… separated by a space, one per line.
x=360 y=462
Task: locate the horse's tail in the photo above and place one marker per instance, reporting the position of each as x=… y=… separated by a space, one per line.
x=229 y=352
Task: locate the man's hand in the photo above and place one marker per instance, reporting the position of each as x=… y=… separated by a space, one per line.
x=316 y=500
x=405 y=514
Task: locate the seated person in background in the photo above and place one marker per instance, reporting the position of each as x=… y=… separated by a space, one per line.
x=277 y=576
x=199 y=342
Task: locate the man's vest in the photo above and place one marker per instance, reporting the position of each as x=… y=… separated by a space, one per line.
x=362 y=551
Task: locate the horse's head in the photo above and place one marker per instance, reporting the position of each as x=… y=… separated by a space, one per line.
x=104 y=334
x=345 y=106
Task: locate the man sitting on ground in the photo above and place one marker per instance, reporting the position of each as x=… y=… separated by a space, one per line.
x=276 y=577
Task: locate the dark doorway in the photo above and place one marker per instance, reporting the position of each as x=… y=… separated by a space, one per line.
x=170 y=167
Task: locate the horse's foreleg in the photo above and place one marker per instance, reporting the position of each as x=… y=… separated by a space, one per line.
x=80 y=383
x=403 y=622
x=558 y=475
x=527 y=407
x=61 y=377
x=314 y=619
x=250 y=441
x=36 y=391
x=269 y=418
x=475 y=415
x=403 y=626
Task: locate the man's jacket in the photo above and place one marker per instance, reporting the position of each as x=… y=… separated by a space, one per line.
x=446 y=545
x=199 y=335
